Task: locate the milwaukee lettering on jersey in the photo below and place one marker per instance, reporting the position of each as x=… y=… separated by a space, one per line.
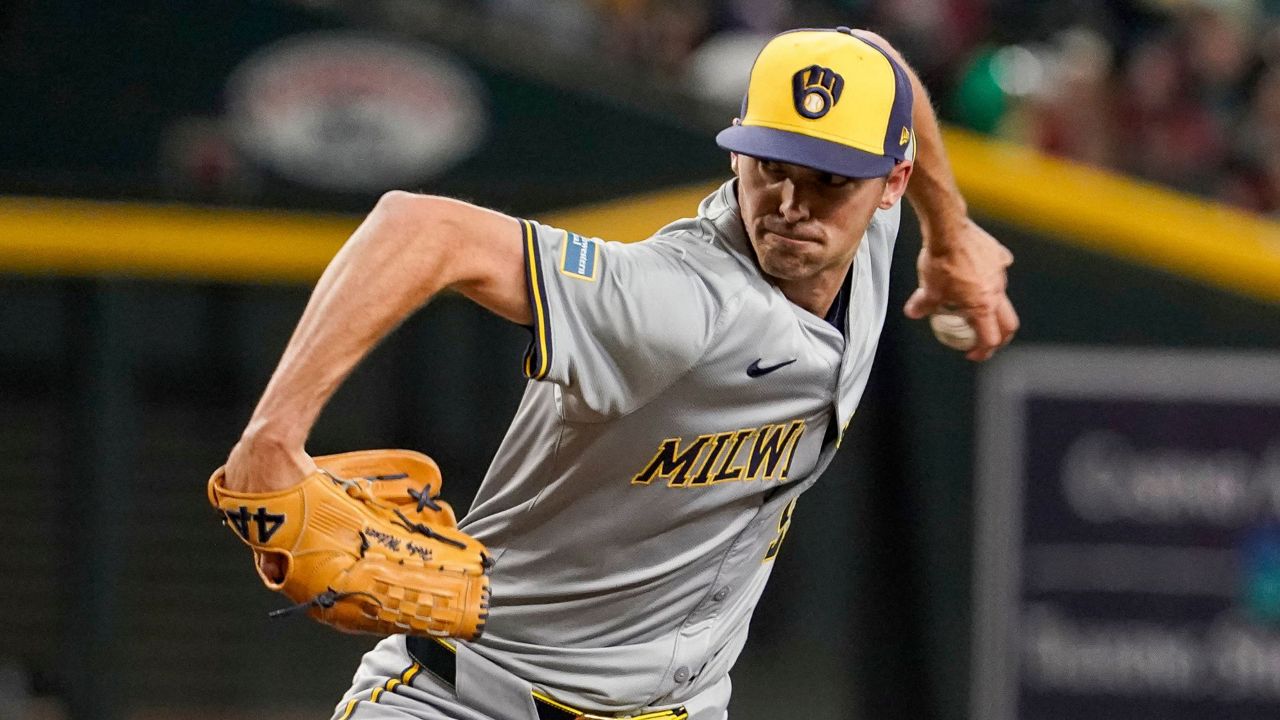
x=762 y=453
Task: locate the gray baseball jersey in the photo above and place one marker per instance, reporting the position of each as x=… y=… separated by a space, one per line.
x=679 y=405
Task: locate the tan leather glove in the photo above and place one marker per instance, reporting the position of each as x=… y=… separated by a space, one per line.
x=366 y=546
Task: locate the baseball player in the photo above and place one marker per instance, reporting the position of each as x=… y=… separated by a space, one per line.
x=684 y=391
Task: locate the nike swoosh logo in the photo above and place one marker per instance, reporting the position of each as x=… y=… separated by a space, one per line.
x=754 y=370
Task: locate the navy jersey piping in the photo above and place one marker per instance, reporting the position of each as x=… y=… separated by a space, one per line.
x=537 y=357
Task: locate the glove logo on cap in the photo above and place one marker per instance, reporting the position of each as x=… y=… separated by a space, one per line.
x=815 y=90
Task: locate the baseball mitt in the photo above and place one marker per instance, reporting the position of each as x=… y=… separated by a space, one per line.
x=366 y=545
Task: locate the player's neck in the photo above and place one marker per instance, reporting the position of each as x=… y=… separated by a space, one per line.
x=816 y=293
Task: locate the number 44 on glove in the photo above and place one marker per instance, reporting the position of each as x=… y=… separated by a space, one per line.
x=366 y=545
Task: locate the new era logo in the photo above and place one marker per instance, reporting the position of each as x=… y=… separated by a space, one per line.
x=815 y=90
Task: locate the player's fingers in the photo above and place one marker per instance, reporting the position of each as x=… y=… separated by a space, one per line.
x=988 y=334
x=255 y=465
x=1007 y=317
x=271 y=565
x=980 y=354
x=922 y=303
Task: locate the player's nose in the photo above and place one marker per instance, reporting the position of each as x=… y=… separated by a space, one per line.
x=791 y=204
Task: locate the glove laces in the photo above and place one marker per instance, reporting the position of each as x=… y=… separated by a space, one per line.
x=324 y=600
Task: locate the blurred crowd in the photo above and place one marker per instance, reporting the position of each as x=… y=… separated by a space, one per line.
x=1181 y=92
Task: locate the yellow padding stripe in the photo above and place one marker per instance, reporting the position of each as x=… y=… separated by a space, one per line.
x=388 y=686
x=81 y=237
x=57 y=237
x=1112 y=214
x=1080 y=206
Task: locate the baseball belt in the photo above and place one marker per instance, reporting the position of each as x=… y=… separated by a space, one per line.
x=439 y=657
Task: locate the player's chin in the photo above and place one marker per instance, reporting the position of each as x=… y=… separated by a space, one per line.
x=785 y=263
x=785 y=267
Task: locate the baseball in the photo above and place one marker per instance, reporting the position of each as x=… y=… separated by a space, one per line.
x=954 y=331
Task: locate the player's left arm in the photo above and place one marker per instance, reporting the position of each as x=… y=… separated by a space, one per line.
x=962 y=268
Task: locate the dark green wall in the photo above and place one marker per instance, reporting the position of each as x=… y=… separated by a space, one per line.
x=118 y=397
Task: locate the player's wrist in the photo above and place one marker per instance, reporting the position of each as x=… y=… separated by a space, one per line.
x=267 y=435
x=945 y=233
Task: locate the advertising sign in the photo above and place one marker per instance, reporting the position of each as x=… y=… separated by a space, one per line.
x=1128 y=540
x=341 y=111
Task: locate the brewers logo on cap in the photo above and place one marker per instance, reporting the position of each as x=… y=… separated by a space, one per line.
x=815 y=90
x=825 y=99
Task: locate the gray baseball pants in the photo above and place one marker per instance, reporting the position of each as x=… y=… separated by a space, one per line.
x=390 y=685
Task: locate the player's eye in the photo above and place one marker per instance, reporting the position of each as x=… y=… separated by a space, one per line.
x=833 y=180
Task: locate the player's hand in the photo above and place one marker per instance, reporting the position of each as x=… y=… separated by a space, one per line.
x=259 y=464
x=965 y=274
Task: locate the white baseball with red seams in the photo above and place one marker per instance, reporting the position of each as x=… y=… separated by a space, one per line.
x=954 y=331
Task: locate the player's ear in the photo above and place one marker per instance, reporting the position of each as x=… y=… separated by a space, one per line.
x=895 y=185
x=733 y=162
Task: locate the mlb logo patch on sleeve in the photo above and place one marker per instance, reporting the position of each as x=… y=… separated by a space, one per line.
x=578 y=257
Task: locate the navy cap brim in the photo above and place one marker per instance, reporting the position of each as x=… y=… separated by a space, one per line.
x=811 y=152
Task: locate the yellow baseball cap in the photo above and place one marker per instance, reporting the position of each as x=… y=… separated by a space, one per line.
x=826 y=99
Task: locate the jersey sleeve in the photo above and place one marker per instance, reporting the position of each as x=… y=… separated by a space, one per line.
x=613 y=323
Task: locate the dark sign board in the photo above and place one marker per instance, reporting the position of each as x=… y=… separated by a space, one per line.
x=1128 y=540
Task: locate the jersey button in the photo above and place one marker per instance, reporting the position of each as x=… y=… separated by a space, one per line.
x=721 y=594
x=682 y=674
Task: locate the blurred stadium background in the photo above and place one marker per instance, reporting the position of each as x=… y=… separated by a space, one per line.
x=1087 y=528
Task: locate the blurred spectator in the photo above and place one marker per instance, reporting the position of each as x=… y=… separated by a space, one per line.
x=1181 y=92
x=1072 y=114
x=761 y=17
x=935 y=35
x=721 y=66
x=1166 y=134
x=1255 y=182
x=575 y=24
x=660 y=33
x=1186 y=103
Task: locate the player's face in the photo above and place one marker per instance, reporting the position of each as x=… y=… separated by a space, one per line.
x=805 y=224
